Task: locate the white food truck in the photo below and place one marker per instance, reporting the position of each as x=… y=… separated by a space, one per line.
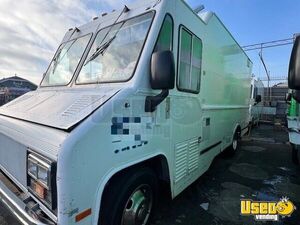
x=145 y=96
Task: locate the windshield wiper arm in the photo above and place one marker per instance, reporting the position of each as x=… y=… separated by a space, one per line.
x=55 y=61
x=56 y=58
x=101 y=50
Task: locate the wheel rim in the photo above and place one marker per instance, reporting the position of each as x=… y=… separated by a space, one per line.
x=234 y=144
x=138 y=207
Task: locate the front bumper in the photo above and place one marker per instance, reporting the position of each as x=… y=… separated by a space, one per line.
x=18 y=207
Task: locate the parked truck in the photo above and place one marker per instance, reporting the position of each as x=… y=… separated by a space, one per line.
x=145 y=96
x=293 y=117
x=256 y=102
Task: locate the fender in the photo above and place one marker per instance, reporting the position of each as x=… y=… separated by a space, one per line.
x=111 y=173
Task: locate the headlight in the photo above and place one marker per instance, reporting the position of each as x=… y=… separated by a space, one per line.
x=43 y=175
x=42 y=179
x=32 y=167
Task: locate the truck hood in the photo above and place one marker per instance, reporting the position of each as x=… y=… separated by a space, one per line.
x=56 y=108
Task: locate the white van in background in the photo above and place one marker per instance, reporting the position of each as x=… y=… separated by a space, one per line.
x=256 y=102
x=139 y=97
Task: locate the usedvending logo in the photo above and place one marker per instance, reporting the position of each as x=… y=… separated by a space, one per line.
x=267 y=210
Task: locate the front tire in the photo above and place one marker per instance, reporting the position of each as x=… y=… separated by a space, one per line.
x=130 y=198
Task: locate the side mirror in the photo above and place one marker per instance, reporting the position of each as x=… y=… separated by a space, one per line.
x=162 y=71
x=162 y=78
x=258 y=99
x=294 y=68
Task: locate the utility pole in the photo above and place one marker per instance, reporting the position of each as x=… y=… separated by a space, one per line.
x=267 y=72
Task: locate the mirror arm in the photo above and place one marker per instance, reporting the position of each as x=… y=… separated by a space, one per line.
x=153 y=101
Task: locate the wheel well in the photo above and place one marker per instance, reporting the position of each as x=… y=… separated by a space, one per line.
x=158 y=164
x=239 y=131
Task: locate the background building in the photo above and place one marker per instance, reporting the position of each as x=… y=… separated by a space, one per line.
x=13 y=87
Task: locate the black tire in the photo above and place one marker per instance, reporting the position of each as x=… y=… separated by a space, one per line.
x=233 y=148
x=121 y=196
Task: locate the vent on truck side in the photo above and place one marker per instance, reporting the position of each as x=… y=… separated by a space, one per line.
x=193 y=155
x=181 y=155
x=186 y=158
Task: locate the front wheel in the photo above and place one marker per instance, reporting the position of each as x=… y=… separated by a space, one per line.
x=130 y=198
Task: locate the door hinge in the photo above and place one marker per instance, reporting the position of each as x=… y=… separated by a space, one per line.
x=168 y=108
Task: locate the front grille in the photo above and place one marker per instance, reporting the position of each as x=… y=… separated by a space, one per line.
x=10 y=185
x=32 y=207
x=13 y=159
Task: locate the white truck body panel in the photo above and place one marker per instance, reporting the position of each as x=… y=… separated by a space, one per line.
x=256 y=110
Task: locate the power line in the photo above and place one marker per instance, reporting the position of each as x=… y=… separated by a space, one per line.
x=270 y=44
x=284 y=78
x=264 y=45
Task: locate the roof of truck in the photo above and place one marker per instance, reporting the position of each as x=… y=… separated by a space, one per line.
x=144 y=5
x=107 y=16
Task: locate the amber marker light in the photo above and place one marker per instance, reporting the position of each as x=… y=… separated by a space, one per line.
x=40 y=190
x=83 y=215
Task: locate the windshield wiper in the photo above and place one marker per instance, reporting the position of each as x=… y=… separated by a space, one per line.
x=55 y=61
x=100 y=50
x=58 y=59
x=103 y=47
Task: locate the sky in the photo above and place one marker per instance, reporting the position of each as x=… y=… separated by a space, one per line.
x=31 y=32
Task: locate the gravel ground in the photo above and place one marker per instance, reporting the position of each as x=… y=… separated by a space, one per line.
x=261 y=170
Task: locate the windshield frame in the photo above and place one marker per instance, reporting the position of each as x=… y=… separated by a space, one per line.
x=138 y=58
x=87 y=47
